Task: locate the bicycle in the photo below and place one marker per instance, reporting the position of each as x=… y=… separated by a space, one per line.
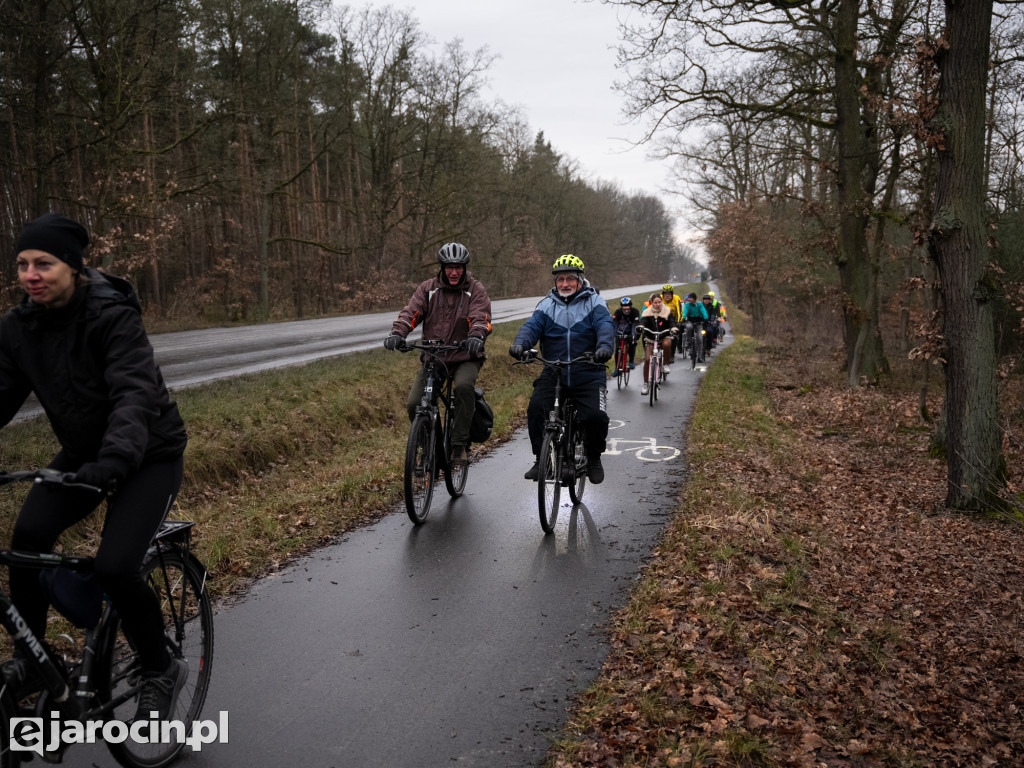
x=622 y=360
x=656 y=364
x=103 y=683
x=563 y=457
x=695 y=342
x=429 y=448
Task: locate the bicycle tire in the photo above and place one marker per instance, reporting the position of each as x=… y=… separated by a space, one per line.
x=181 y=585
x=8 y=709
x=578 y=456
x=619 y=360
x=693 y=350
x=420 y=469
x=549 y=482
x=654 y=372
x=454 y=477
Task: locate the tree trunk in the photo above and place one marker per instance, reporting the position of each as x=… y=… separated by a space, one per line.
x=958 y=244
x=858 y=162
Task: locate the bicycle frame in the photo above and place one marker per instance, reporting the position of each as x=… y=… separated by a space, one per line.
x=435 y=393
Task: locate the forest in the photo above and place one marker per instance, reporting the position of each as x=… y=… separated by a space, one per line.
x=856 y=165
x=245 y=160
x=859 y=167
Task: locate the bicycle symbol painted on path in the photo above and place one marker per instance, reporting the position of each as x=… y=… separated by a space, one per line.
x=646 y=449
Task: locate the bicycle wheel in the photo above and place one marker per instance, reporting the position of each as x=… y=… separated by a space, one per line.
x=693 y=350
x=420 y=469
x=454 y=477
x=188 y=622
x=8 y=709
x=655 y=372
x=620 y=359
x=549 y=482
x=578 y=467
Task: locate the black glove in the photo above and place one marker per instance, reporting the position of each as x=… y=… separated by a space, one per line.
x=391 y=342
x=603 y=355
x=475 y=346
x=101 y=476
x=517 y=351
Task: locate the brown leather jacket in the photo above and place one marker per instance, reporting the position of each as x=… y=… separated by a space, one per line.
x=449 y=313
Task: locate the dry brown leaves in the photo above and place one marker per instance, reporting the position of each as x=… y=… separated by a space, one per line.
x=847 y=619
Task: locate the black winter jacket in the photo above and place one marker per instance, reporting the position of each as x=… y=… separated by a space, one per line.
x=91 y=365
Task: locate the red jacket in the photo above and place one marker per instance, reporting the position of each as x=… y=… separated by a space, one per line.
x=449 y=313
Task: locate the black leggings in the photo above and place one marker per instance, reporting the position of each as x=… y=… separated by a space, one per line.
x=134 y=513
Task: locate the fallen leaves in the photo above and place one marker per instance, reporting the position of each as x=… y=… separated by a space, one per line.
x=822 y=608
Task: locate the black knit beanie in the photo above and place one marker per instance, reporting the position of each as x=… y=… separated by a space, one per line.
x=57 y=235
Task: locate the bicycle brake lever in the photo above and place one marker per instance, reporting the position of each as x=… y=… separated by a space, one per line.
x=67 y=480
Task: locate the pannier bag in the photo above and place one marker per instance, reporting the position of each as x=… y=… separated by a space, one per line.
x=483 y=419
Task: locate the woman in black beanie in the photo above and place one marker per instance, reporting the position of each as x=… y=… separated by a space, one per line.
x=77 y=341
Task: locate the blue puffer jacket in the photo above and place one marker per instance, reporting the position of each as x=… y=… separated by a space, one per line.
x=568 y=329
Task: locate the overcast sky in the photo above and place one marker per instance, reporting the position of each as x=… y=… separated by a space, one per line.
x=558 y=65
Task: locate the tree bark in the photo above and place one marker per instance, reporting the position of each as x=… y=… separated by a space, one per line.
x=858 y=167
x=958 y=245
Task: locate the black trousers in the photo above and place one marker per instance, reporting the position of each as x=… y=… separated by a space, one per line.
x=591 y=408
x=134 y=513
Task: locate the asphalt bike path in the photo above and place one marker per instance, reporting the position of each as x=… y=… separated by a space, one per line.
x=461 y=641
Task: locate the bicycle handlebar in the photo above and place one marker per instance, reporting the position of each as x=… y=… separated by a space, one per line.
x=430 y=346
x=658 y=333
x=532 y=355
x=46 y=476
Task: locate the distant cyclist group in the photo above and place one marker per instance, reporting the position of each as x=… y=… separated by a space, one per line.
x=673 y=325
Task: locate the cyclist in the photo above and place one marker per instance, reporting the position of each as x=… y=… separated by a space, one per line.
x=657 y=317
x=722 y=314
x=711 y=337
x=570 y=321
x=673 y=302
x=77 y=341
x=453 y=307
x=694 y=315
x=626 y=319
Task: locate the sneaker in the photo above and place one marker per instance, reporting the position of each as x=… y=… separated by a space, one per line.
x=632 y=366
x=159 y=693
x=460 y=456
x=615 y=372
x=531 y=473
x=645 y=389
x=595 y=472
x=666 y=370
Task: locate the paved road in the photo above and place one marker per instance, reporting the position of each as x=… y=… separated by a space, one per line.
x=188 y=358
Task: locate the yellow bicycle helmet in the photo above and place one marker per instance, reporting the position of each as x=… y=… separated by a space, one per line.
x=711 y=294
x=667 y=288
x=568 y=263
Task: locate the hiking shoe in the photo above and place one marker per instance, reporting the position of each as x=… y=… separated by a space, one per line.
x=531 y=473
x=645 y=389
x=595 y=472
x=460 y=456
x=159 y=693
x=21 y=678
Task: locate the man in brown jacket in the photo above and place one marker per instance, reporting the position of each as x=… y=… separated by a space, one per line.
x=453 y=307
